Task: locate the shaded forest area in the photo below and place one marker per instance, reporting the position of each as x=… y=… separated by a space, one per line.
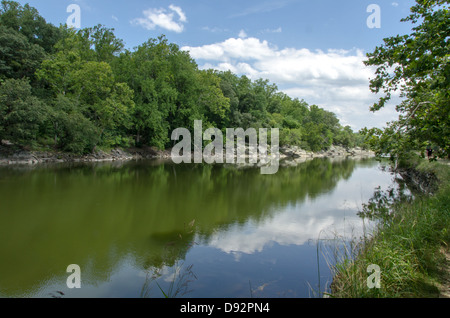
x=79 y=90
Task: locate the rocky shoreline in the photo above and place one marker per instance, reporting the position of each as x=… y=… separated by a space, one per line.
x=293 y=156
x=333 y=152
x=12 y=155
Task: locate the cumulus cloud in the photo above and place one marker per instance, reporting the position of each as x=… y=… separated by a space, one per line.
x=233 y=49
x=336 y=80
x=163 y=18
x=179 y=12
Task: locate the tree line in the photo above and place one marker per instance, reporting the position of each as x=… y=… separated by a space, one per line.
x=80 y=90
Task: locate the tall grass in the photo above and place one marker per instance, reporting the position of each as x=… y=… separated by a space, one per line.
x=406 y=246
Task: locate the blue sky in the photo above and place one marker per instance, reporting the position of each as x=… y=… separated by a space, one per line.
x=312 y=50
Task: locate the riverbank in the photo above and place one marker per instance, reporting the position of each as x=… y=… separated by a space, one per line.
x=410 y=244
x=15 y=155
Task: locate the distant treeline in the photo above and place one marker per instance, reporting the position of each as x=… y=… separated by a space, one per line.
x=78 y=90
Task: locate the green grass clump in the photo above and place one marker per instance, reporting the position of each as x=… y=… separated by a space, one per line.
x=406 y=246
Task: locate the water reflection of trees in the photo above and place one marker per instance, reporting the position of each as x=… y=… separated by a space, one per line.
x=95 y=215
x=382 y=203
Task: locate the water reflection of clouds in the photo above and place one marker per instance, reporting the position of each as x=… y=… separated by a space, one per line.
x=276 y=230
x=333 y=215
x=285 y=229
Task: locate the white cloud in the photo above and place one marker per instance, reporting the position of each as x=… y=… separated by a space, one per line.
x=179 y=12
x=242 y=34
x=233 y=49
x=336 y=80
x=394 y=4
x=163 y=18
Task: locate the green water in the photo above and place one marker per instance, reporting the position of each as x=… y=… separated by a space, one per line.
x=145 y=229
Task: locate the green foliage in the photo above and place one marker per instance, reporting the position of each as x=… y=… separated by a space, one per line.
x=18 y=57
x=406 y=244
x=71 y=131
x=102 y=96
x=160 y=93
x=417 y=66
x=293 y=137
x=27 y=21
x=78 y=134
x=21 y=114
x=214 y=105
x=346 y=138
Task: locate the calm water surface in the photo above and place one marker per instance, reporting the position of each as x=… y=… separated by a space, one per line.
x=150 y=229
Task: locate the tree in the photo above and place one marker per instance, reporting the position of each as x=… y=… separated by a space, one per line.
x=57 y=72
x=228 y=85
x=114 y=114
x=315 y=140
x=18 y=57
x=418 y=67
x=75 y=71
x=169 y=90
x=214 y=105
x=148 y=72
x=345 y=137
x=105 y=102
x=103 y=42
x=27 y=21
x=21 y=114
x=70 y=129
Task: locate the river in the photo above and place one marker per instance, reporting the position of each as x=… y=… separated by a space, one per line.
x=155 y=229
